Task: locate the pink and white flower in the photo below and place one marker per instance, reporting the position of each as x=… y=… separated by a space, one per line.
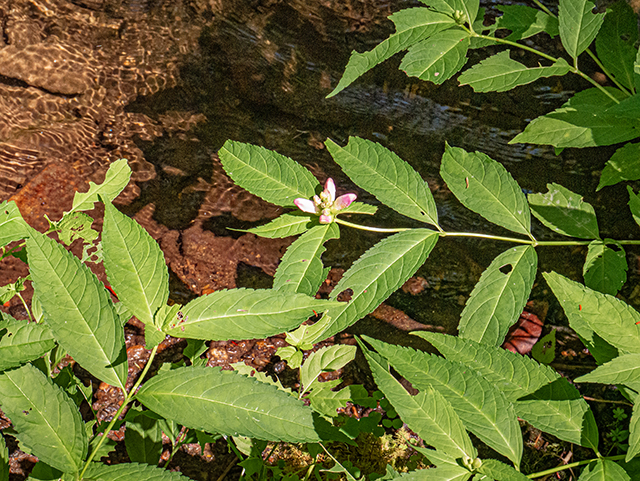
x=325 y=205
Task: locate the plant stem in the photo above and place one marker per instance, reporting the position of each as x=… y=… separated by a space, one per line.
x=607 y=73
x=573 y=465
x=25 y=306
x=544 y=8
x=607 y=401
x=128 y=398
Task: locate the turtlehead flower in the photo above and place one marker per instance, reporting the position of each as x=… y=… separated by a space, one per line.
x=325 y=205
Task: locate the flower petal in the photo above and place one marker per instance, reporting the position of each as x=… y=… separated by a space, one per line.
x=330 y=188
x=325 y=219
x=305 y=205
x=344 y=201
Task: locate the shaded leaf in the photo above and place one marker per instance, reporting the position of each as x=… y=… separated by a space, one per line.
x=4 y=460
x=129 y=471
x=623 y=165
x=634 y=205
x=565 y=212
x=500 y=73
x=497 y=300
x=634 y=433
x=389 y=178
x=226 y=402
x=135 y=265
x=79 y=310
x=412 y=25
x=377 y=274
x=578 y=25
x=605 y=269
x=144 y=438
x=47 y=421
x=437 y=58
x=469 y=8
x=500 y=471
x=243 y=314
x=525 y=22
x=12 y=226
x=22 y=341
x=482 y=408
x=491 y=190
x=267 y=174
x=544 y=350
x=292 y=223
x=115 y=181
x=326 y=401
x=604 y=470
x=326 y=359
x=301 y=269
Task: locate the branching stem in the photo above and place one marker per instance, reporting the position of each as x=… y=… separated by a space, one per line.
x=539 y=474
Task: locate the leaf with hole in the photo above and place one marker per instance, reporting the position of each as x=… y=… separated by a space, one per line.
x=22 y=341
x=115 y=181
x=12 y=226
x=578 y=25
x=524 y=22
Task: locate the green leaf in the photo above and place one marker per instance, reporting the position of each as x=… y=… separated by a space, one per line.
x=544 y=351
x=634 y=433
x=608 y=316
x=636 y=71
x=45 y=418
x=499 y=297
x=616 y=41
x=482 y=408
x=301 y=269
x=22 y=341
x=565 y=212
x=623 y=165
x=605 y=269
x=76 y=226
x=500 y=471
x=116 y=179
x=326 y=401
x=144 y=438
x=326 y=359
x=604 y=470
x=428 y=413
x=524 y=22
x=389 y=178
x=129 y=471
x=634 y=205
x=377 y=274
x=581 y=122
x=135 y=265
x=469 y=8
x=491 y=190
x=243 y=314
x=624 y=369
x=578 y=25
x=292 y=223
x=359 y=208
x=79 y=310
x=500 y=73
x=553 y=404
x=12 y=226
x=412 y=25
x=226 y=402
x=437 y=58
x=267 y=174
x=4 y=460
x=449 y=472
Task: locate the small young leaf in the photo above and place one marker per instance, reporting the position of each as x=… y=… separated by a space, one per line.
x=292 y=223
x=377 y=274
x=228 y=403
x=301 y=269
x=130 y=471
x=437 y=58
x=428 y=413
x=47 y=421
x=484 y=186
x=412 y=25
x=605 y=269
x=144 y=438
x=623 y=165
x=469 y=8
x=326 y=359
x=524 y=22
x=634 y=205
x=267 y=174
x=22 y=341
x=498 y=298
x=500 y=471
x=244 y=314
x=604 y=470
x=135 y=265
x=578 y=25
x=78 y=310
x=500 y=73
x=616 y=42
x=12 y=226
x=565 y=212
x=544 y=351
x=393 y=181
x=116 y=179
x=634 y=433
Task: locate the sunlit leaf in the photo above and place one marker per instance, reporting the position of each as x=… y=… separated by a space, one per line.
x=301 y=269
x=326 y=359
x=135 y=265
x=483 y=409
x=22 y=341
x=484 y=186
x=359 y=208
x=450 y=472
x=428 y=413
x=500 y=73
x=46 y=420
x=500 y=471
x=624 y=369
x=389 y=178
x=605 y=269
x=437 y=58
x=12 y=226
x=578 y=25
x=623 y=165
x=525 y=22
x=78 y=310
x=377 y=274
x=130 y=471
x=634 y=433
x=267 y=174
x=116 y=179
x=498 y=298
x=291 y=223
x=604 y=470
x=412 y=25
x=616 y=42
x=228 y=403
x=244 y=314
